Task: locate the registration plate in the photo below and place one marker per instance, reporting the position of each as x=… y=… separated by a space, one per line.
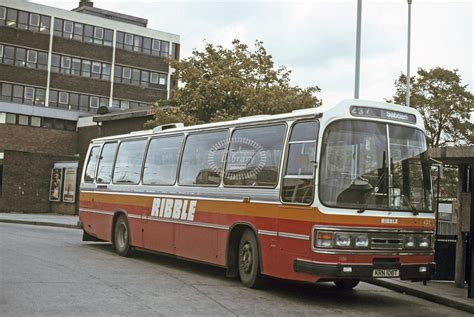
x=386 y=273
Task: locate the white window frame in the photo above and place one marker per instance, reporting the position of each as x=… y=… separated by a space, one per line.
x=1 y=51
x=65 y=58
x=90 y=102
x=39 y=18
x=123 y=73
x=101 y=37
x=95 y=64
x=63 y=93
x=157 y=81
x=34 y=54
x=32 y=91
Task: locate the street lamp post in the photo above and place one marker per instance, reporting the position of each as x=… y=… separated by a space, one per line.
x=408 y=54
x=357 y=63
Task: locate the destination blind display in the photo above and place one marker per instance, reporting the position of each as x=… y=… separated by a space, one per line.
x=382 y=114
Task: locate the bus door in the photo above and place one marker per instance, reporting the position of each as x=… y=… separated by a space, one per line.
x=297 y=190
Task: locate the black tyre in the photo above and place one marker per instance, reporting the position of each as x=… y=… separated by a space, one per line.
x=249 y=260
x=346 y=284
x=122 y=236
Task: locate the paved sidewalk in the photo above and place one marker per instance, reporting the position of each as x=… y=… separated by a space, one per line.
x=53 y=220
x=441 y=292
x=444 y=293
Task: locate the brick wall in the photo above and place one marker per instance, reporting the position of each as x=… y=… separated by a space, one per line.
x=26 y=180
x=38 y=140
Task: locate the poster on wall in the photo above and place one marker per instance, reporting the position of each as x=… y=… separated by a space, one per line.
x=69 y=186
x=55 y=185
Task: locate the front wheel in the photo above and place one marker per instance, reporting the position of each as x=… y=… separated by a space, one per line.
x=346 y=284
x=122 y=236
x=249 y=260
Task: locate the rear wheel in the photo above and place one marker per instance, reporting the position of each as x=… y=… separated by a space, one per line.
x=249 y=260
x=122 y=236
x=346 y=284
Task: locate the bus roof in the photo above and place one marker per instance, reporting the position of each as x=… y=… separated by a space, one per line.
x=327 y=112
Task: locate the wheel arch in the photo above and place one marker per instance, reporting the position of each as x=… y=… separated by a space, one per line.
x=117 y=214
x=233 y=239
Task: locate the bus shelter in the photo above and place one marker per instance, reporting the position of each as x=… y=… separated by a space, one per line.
x=460 y=241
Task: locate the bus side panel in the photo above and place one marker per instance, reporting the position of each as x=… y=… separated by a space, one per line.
x=198 y=243
x=97 y=225
x=158 y=236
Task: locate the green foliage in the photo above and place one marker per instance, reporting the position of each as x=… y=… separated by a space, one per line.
x=224 y=84
x=444 y=103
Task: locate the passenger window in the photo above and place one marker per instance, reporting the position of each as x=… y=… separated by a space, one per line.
x=89 y=175
x=254 y=156
x=298 y=181
x=202 y=159
x=106 y=162
x=128 y=165
x=162 y=161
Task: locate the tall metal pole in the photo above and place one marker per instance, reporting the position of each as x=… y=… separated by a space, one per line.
x=357 y=64
x=408 y=54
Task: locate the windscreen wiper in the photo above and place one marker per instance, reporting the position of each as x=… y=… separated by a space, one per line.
x=413 y=208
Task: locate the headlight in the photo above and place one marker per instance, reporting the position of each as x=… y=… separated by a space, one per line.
x=343 y=240
x=324 y=239
x=424 y=242
x=361 y=241
x=410 y=242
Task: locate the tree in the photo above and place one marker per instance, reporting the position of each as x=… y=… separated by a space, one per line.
x=444 y=103
x=223 y=84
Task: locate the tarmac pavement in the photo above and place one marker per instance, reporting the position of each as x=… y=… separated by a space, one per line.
x=444 y=293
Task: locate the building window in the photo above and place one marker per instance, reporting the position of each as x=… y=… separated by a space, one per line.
x=88 y=33
x=34 y=22
x=40 y=96
x=63 y=98
x=98 y=35
x=20 y=57
x=53 y=98
x=76 y=67
x=65 y=65
x=165 y=48
x=7 y=92
x=127 y=73
x=108 y=37
x=86 y=68
x=84 y=103
x=128 y=41
x=105 y=71
x=18 y=93
x=9 y=55
x=124 y=105
x=68 y=29
x=10 y=118
x=35 y=121
x=42 y=60
x=22 y=120
x=96 y=69
x=3 y=15
x=94 y=102
x=78 y=31
x=23 y=20
x=29 y=95
x=11 y=17
x=32 y=59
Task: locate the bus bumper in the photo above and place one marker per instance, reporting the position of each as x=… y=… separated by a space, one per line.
x=360 y=271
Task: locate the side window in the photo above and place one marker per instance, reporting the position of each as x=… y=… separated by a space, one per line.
x=89 y=175
x=128 y=165
x=298 y=180
x=162 y=160
x=202 y=159
x=254 y=156
x=106 y=162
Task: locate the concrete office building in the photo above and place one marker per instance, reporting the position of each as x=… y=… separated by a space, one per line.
x=58 y=67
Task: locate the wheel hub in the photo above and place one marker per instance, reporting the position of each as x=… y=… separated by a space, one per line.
x=246 y=258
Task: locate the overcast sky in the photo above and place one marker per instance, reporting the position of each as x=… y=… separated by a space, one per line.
x=316 y=39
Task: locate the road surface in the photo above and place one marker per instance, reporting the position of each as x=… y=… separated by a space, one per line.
x=50 y=271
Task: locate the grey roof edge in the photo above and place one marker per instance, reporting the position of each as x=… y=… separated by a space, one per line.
x=133 y=19
x=122 y=115
x=40 y=111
